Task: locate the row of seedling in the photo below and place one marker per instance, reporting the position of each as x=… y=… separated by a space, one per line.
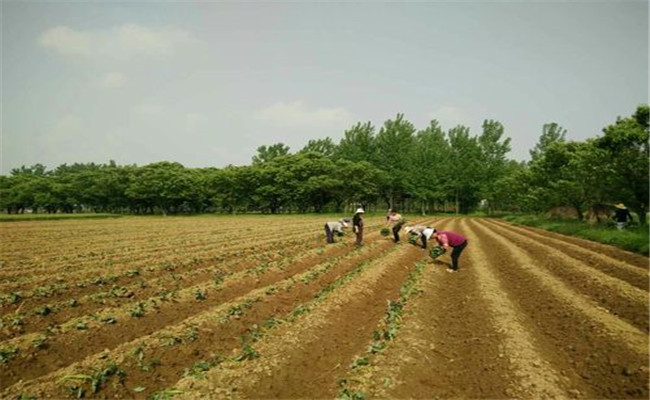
x=386 y=332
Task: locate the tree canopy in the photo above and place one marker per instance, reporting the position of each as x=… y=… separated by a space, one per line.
x=396 y=166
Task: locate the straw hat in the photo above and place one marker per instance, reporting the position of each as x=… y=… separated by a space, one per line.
x=359 y=211
x=408 y=229
x=620 y=206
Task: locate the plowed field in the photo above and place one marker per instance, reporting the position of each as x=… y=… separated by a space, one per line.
x=260 y=307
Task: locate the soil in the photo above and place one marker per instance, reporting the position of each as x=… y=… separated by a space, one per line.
x=530 y=314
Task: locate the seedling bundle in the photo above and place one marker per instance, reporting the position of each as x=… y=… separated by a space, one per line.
x=436 y=251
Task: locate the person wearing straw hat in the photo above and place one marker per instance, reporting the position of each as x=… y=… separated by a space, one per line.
x=335 y=227
x=621 y=216
x=423 y=233
x=357 y=226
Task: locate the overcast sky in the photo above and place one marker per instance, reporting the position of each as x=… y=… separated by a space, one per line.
x=206 y=83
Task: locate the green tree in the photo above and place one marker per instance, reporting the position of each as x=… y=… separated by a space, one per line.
x=358 y=143
x=626 y=145
x=494 y=148
x=394 y=147
x=551 y=132
x=464 y=168
x=266 y=154
x=325 y=147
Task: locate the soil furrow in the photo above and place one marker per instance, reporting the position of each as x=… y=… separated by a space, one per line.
x=214 y=339
x=446 y=333
x=302 y=359
x=611 y=252
x=616 y=268
x=616 y=296
x=607 y=354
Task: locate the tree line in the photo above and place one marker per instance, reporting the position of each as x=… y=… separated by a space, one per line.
x=395 y=166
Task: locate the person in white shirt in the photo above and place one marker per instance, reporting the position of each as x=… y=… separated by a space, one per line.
x=335 y=227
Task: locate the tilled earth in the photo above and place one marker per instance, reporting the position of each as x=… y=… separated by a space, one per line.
x=529 y=314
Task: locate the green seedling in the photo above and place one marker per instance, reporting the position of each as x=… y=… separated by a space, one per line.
x=199 y=295
x=7 y=353
x=40 y=342
x=192 y=334
x=108 y=320
x=43 y=311
x=171 y=341
x=73 y=303
x=133 y=272
x=345 y=394
x=376 y=347
x=359 y=362
x=137 y=311
x=81 y=326
x=248 y=353
x=198 y=369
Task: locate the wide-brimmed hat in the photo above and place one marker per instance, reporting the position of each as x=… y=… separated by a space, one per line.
x=620 y=206
x=359 y=211
x=408 y=229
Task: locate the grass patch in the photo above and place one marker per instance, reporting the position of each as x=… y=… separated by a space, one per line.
x=634 y=238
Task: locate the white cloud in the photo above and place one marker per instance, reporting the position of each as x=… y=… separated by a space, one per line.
x=66 y=41
x=113 y=80
x=120 y=42
x=297 y=114
x=148 y=109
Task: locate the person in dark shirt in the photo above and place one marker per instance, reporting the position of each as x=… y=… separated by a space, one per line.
x=621 y=216
x=357 y=226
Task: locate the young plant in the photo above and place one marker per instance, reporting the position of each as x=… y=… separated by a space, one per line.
x=7 y=353
x=248 y=353
x=138 y=310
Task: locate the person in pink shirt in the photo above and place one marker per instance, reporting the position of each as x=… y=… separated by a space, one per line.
x=454 y=240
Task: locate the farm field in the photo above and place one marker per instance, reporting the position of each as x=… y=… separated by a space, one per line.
x=260 y=307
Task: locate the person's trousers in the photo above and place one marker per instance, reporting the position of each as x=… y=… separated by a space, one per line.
x=359 y=235
x=396 y=229
x=455 y=253
x=329 y=234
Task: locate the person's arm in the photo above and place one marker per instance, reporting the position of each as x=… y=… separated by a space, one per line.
x=444 y=241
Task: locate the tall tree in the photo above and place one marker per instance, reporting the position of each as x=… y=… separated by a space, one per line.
x=494 y=148
x=265 y=154
x=551 y=132
x=626 y=144
x=325 y=147
x=394 y=147
x=358 y=143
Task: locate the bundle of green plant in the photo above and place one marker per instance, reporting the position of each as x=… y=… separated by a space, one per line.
x=436 y=251
x=384 y=232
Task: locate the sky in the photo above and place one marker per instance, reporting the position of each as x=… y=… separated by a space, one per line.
x=206 y=83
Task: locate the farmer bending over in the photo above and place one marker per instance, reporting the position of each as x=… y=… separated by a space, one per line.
x=454 y=240
x=423 y=233
x=396 y=220
x=335 y=227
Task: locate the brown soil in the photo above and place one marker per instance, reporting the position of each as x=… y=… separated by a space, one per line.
x=529 y=315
